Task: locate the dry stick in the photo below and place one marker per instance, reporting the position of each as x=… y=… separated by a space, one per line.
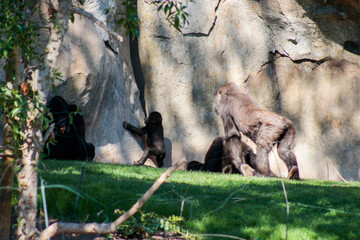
x=48 y=132
x=336 y=171
x=107 y=228
x=287 y=208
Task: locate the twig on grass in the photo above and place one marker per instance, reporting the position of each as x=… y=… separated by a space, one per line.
x=336 y=171
x=107 y=228
x=287 y=208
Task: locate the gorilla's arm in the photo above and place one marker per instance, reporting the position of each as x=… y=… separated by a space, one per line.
x=134 y=130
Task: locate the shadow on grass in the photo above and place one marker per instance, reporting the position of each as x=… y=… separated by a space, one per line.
x=210 y=203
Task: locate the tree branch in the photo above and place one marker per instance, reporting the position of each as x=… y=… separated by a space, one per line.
x=107 y=228
x=97 y=22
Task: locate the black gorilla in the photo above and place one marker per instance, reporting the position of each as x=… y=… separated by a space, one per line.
x=213 y=159
x=69 y=135
x=155 y=149
x=220 y=155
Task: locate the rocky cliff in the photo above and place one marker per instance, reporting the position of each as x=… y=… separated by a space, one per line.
x=98 y=77
x=300 y=59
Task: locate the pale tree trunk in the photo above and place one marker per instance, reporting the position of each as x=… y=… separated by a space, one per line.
x=8 y=161
x=28 y=182
x=50 y=39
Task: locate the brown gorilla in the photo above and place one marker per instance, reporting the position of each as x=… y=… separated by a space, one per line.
x=236 y=151
x=240 y=114
x=155 y=149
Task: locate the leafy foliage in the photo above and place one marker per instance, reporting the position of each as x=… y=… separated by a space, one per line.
x=146 y=224
x=127 y=18
x=130 y=19
x=16 y=111
x=16 y=29
x=174 y=12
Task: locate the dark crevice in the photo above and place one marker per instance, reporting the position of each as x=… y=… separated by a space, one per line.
x=217 y=6
x=200 y=34
x=162 y=37
x=136 y=65
x=276 y=55
x=352 y=47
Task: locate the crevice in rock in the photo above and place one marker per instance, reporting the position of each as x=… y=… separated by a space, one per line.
x=162 y=37
x=200 y=34
x=136 y=65
x=352 y=47
x=278 y=55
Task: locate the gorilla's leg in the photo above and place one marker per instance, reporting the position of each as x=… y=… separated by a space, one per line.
x=151 y=151
x=143 y=158
x=160 y=160
x=262 y=160
x=234 y=156
x=195 y=166
x=285 y=150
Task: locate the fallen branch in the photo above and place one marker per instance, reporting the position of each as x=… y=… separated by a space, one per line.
x=107 y=228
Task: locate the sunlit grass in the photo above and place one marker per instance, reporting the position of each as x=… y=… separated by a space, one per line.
x=246 y=207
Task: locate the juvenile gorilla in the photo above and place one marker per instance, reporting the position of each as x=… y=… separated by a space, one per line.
x=267 y=129
x=155 y=149
x=213 y=158
x=220 y=157
x=70 y=141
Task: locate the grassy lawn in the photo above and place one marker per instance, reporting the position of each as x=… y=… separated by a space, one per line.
x=245 y=207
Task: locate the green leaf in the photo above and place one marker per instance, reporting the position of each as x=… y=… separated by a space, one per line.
x=176 y=21
x=9 y=85
x=20 y=28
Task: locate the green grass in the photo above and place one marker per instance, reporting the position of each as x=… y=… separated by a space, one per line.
x=246 y=207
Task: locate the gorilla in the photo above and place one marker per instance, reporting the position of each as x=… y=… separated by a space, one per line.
x=213 y=158
x=221 y=154
x=154 y=130
x=69 y=133
x=265 y=128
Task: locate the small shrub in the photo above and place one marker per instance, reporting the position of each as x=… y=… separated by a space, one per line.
x=145 y=225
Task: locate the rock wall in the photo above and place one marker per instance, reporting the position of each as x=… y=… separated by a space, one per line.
x=98 y=77
x=298 y=58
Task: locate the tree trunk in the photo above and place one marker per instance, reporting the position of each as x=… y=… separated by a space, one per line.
x=8 y=161
x=50 y=38
x=6 y=195
x=28 y=182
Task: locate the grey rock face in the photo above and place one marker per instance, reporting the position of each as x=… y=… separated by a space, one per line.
x=297 y=58
x=99 y=79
